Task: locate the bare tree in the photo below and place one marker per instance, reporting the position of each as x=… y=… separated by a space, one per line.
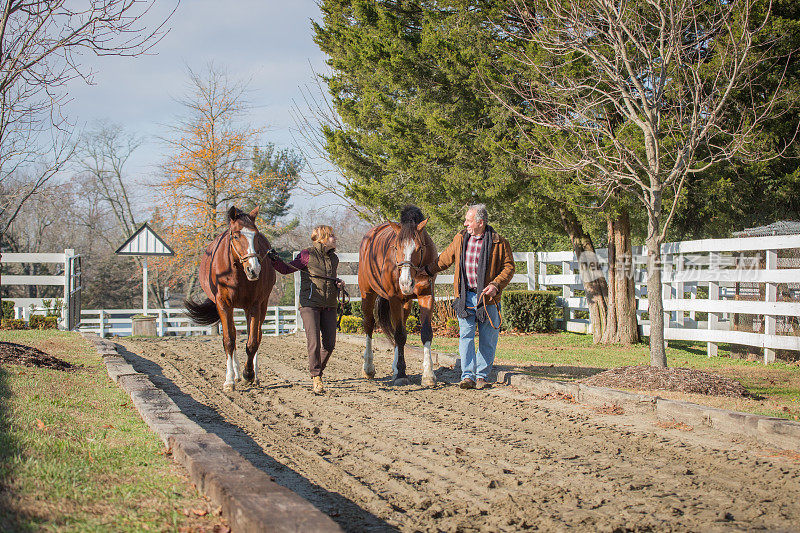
x=41 y=44
x=314 y=120
x=102 y=154
x=639 y=94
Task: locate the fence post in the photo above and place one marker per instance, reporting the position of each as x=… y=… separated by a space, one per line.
x=67 y=308
x=566 y=293
x=531 y=257
x=277 y=320
x=770 y=296
x=713 y=294
x=102 y=323
x=666 y=291
x=679 y=291
x=298 y=321
x=160 y=324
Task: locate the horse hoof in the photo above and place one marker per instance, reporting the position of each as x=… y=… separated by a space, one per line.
x=229 y=387
x=429 y=382
x=400 y=382
x=365 y=375
x=252 y=382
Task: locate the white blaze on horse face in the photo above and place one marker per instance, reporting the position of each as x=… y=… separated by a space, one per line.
x=255 y=266
x=406 y=281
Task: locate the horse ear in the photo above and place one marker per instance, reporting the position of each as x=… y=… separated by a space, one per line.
x=395 y=226
x=254 y=213
x=231 y=213
x=422 y=224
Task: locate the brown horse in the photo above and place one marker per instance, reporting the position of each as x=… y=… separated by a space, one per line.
x=234 y=274
x=390 y=263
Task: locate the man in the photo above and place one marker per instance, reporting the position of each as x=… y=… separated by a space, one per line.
x=484 y=266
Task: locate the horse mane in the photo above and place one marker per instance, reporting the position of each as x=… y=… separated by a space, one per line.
x=410 y=217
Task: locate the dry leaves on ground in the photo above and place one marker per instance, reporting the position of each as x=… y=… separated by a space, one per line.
x=688 y=380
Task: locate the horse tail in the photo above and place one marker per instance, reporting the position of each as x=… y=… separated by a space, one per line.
x=385 y=318
x=204 y=313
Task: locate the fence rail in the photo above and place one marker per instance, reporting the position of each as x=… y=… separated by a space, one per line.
x=70 y=280
x=172 y=321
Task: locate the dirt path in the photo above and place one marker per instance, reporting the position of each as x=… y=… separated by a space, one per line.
x=380 y=458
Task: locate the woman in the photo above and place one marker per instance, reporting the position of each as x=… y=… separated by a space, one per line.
x=319 y=288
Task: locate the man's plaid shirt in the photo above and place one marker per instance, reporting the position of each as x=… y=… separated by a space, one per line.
x=471 y=260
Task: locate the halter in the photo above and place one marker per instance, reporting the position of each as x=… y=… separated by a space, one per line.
x=409 y=263
x=241 y=259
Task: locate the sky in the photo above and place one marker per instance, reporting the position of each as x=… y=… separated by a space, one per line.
x=267 y=43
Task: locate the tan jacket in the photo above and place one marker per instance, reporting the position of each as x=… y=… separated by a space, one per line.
x=501 y=266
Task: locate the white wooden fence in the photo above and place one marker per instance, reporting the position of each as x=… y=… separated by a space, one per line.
x=729 y=269
x=70 y=280
x=105 y=322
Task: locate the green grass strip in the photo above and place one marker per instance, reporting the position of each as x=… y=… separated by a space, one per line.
x=74 y=454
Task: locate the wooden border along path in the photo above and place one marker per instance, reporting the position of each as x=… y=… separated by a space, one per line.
x=777 y=432
x=249 y=499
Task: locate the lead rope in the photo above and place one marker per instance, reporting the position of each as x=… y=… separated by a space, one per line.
x=483 y=300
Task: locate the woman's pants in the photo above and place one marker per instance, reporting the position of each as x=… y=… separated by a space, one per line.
x=320 y=324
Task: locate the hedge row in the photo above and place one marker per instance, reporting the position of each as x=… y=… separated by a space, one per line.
x=530 y=311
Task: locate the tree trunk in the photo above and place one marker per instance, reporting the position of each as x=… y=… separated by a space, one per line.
x=610 y=333
x=658 y=353
x=594 y=282
x=624 y=291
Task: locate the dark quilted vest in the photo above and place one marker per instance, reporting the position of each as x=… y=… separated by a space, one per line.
x=316 y=291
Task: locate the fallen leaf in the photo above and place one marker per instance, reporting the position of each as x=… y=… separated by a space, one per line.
x=40 y=424
x=108 y=426
x=200 y=512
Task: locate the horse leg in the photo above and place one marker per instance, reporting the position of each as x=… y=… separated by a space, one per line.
x=368 y=311
x=426 y=334
x=399 y=364
x=255 y=317
x=229 y=343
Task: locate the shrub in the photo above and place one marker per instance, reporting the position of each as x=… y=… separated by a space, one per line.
x=13 y=323
x=43 y=322
x=451 y=327
x=8 y=309
x=352 y=324
x=412 y=324
x=353 y=309
x=529 y=311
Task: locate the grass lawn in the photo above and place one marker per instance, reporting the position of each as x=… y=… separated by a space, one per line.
x=75 y=456
x=570 y=356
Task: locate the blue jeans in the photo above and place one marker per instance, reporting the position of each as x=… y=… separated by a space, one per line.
x=477 y=365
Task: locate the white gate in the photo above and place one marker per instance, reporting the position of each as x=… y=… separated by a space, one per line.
x=70 y=280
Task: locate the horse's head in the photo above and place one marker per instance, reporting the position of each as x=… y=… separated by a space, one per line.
x=243 y=233
x=409 y=246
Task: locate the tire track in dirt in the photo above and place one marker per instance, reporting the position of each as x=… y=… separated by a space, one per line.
x=420 y=459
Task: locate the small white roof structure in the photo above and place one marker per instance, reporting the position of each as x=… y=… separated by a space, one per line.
x=145 y=241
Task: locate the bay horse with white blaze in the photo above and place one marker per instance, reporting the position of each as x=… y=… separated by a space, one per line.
x=390 y=262
x=234 y=274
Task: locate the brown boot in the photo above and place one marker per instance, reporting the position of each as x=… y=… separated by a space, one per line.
x=316 y=382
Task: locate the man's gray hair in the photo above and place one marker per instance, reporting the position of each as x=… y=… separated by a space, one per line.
x=480 y=212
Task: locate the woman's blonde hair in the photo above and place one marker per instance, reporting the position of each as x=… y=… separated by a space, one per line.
x=321 y=233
